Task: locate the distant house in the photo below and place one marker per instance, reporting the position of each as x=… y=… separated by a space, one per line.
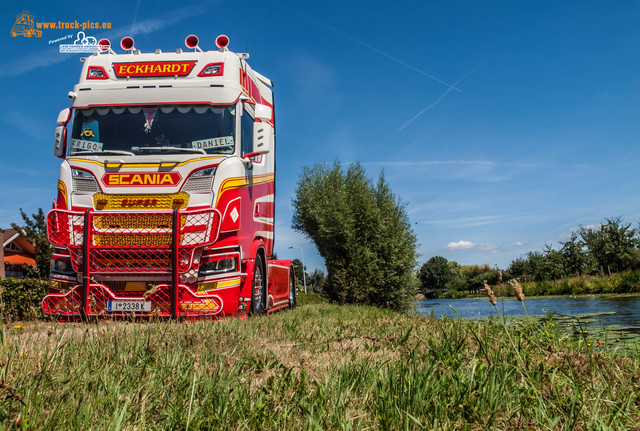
x=18 y=252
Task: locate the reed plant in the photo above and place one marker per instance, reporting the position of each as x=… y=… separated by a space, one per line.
x=320 y=366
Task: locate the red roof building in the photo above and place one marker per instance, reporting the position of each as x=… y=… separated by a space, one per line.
x=18 y=252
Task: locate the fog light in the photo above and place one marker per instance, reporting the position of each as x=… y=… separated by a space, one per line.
x=62 y=266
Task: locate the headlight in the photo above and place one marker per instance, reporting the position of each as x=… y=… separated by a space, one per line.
x=62 y=266
x=204 y=172
x=77 y=173
x=219 y=266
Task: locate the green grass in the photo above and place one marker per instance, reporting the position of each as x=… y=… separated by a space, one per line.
x=319 y=366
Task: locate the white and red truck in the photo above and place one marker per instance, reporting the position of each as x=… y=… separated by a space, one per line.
x=165 y=203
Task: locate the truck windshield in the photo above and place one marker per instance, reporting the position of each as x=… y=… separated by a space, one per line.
x=154 y=130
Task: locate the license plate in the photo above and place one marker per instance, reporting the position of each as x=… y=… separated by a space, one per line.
x=128 y=306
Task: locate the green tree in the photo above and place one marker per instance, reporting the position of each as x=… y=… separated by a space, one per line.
x=35 y=230
x=361 y=230
x=297 y=267
x=315 y=281
x=457 y=280
x=612 y=245
x=574 y=256
x=552 y=265
x=434 y=274
x=536 y=266
x=519 y=268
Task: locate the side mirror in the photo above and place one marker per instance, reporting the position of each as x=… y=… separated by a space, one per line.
x=263 y=112
x=59 y=141
x=63 y=117
x=262 y=138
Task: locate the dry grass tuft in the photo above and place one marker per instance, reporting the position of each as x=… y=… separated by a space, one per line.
x=518 y=289
x=492 y=296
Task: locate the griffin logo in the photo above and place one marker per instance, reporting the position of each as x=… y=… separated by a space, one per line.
x=88 y=134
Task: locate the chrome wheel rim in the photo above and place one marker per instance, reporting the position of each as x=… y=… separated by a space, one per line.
x=257 y=287
x=292 y=286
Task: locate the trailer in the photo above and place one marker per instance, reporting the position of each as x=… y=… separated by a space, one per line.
x=166 y=191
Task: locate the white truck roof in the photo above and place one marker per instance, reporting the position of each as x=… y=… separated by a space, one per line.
x=110 y=79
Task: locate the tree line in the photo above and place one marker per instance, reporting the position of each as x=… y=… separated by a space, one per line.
x=610 y=248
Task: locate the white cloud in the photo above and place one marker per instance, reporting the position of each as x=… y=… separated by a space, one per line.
x=518 y=243
x=475 y=221
x=469 y=245
x=460 y=245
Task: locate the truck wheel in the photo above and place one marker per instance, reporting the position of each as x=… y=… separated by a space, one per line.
x=292 y=289
x=258 y=290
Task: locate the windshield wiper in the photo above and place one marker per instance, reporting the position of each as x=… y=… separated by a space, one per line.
x=93 y=153
x=186 y=150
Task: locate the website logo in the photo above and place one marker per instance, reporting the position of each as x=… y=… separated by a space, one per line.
x=25 y=26
x=83 y=43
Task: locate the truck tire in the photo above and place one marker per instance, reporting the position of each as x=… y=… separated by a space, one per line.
x=293 y=295
x=258 y=287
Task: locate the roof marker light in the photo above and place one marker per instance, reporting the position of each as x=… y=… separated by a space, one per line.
x=104 y=45
x=191 y=41
x=97 y=72
x=222 y=42
x=212 y=69
x=127 y=43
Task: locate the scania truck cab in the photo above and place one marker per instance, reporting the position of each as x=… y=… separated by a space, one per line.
x=165 y=203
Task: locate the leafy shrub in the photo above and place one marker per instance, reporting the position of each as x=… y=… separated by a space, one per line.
x=22 y=298
x=362 y=231
x=631 y=281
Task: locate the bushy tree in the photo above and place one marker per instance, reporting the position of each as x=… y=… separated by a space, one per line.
x=316 y=280
x=457 y=280
x=574 y=255
x=434 y=274
x=35 y=230
x=552 y=264
x=612 y=245
x=297 y=267
x=519 y=268
x=361 y=230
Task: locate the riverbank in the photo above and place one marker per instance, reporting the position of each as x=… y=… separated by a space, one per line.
x=624 y=283
x=319 y=366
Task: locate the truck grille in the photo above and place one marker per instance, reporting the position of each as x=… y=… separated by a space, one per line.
x=119 y=239
x=123 y=221
x=140 y=202
x=198 y=185
x=85 y=185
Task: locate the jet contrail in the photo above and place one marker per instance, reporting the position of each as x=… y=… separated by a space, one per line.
x=135 y=16
x=384 y=54
x=442 y=96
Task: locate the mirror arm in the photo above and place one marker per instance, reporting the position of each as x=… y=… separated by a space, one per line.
x=249 y=155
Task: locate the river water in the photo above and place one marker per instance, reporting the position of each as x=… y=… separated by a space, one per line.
x=610 y=310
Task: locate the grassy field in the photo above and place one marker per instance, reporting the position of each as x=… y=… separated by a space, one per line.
x=319 y=366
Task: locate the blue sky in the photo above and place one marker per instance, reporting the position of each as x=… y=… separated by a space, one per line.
x=501 y=125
